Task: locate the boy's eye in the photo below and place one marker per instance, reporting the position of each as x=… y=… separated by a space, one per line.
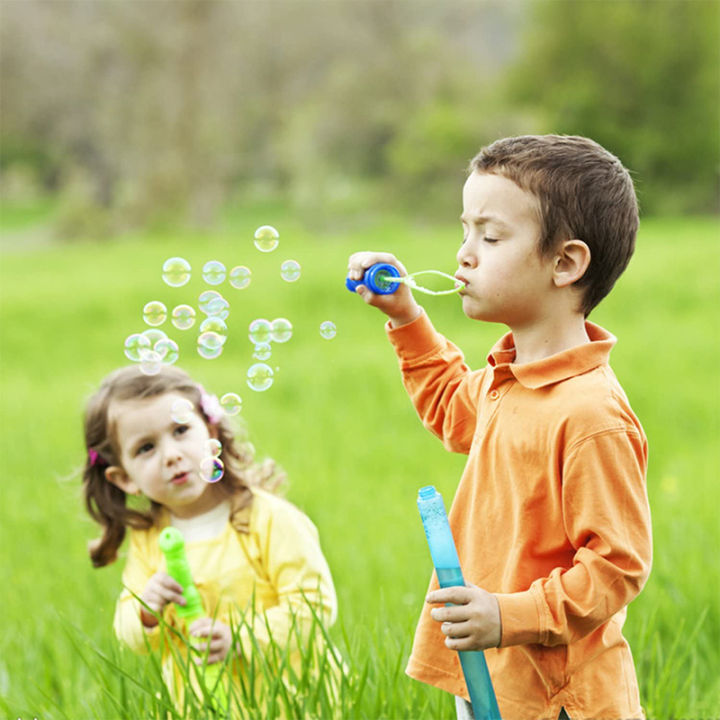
x=490 y=240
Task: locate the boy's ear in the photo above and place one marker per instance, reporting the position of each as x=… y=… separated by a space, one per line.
x=571 y=262
x=118 y=477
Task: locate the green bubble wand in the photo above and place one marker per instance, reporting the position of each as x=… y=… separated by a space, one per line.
x=172 y=544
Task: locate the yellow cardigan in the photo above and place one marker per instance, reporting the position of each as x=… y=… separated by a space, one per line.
x=267 y=559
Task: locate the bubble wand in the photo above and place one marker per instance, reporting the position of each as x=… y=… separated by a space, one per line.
x=447 y=567
x=172 y=544
x=385 y=279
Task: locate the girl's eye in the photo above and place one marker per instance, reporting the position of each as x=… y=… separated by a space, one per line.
x=147 y=447
x=181 y=429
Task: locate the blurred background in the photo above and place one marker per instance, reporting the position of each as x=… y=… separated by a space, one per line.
x=122 y=115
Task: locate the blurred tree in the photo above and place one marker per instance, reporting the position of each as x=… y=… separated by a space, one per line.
x=642 y=77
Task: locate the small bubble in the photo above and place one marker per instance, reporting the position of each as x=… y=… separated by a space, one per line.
x=154 y=313
x=259 y=377
x=281 y=330
x=328 y=330
x=210 y=345
x=183 y=317
x=134 y=344
x=214 y=324
x=213 y=448
x=211 y=302
x=212 y=469
x=168 y=351
x=154 y=335
x=240 y=277
x=176 y=271
x=182 y=411
x=231 y=403
x=290 y=270
x=150 y=362
x=262 y=351
x=259 y=331
x=213 y=272
x=266 y=238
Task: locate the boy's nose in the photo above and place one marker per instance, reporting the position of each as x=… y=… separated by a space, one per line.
x=465 y=258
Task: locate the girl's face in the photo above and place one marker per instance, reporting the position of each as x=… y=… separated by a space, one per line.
x=160 y=457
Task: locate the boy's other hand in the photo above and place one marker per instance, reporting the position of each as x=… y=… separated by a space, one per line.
x=473 y=620
x=400 y=306
x=219 y=640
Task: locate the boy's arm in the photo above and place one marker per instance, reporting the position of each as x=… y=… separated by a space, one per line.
x=607 y=519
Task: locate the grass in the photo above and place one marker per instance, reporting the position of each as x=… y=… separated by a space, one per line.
x=339 y=422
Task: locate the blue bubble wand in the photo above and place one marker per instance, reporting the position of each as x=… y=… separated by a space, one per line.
x=447 y=567
x=385 y=279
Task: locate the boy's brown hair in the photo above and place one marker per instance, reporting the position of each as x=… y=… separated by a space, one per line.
x=584 y=192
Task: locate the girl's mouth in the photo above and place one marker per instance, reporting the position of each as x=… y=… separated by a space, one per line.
x=180 y=479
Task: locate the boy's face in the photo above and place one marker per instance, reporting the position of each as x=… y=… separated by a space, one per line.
x=506 y=279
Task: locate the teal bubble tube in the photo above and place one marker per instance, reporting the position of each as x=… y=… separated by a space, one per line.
x=447 y=567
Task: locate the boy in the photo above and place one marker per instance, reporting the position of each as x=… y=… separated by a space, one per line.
x=550 y=518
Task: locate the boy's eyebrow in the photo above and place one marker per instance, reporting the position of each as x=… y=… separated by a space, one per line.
x=479 y=218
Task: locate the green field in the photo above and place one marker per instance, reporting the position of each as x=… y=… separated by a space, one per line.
x=337 y=419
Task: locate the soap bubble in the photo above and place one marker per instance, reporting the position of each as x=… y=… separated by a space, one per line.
x=214 y=324
x=176 y=271
x=154 y=335
x=183 y=317
x=168 y=351
x=154 y=313
x=150 y=362
x=210 y=345
x=328 y=329
x=213 y=448
x=281 y=330
x=240 y=277
x=213 y=272
x=212 y=469
x=259 y=377
x=211 y=302
x=266 y=238
x=182 y=411
x=231 y=403
x=290 y=270
x=259 y=331
x=262 y=351
x=134 y=344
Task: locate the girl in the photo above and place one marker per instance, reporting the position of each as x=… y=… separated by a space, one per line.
x=255 y=558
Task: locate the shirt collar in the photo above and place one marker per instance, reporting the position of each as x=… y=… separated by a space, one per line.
x=562 y=365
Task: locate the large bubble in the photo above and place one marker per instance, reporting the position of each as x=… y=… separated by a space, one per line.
x=214 y=324
x=182 y=411
x=183 y=317
x=134 y=344
x=259 y=377
x=212 y=469
x=290 y=270
x=259 y=331
x=262 y=351
x=266 y=238
x=154 y=313
x=213 y=448
x=214 y=272
x=211 y=302
x=150 y=362
x=240 y=277
x=176 y=271
x=281 y=330
x=168 y=351
x=210 y=345
x=328 y=330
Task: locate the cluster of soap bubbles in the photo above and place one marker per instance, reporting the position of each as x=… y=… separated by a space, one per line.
x=152 y=348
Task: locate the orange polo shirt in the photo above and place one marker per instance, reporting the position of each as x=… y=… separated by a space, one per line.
x=551 y=515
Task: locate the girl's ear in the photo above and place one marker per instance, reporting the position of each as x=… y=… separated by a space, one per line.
x=571 y=262
x=118 y=477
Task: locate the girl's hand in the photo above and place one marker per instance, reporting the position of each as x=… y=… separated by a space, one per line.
x=473 y=620
x=160 y=590
x=219 y=640
x=400 y=306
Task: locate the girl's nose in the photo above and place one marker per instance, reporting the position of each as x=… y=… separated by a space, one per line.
x=171 y=452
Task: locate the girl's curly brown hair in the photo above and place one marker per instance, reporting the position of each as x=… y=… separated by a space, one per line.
x=107 y=504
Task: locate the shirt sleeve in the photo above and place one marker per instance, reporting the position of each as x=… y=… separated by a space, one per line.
x=127 y=623
x=607 y=521
x=441 y=386
x=298 y=571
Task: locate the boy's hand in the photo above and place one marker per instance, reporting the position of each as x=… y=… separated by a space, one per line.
x=473 y=623
x=219 y=640
x=400 y=306
x=160 y=590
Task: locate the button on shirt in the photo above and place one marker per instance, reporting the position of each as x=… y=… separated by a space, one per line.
x=551 y=515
